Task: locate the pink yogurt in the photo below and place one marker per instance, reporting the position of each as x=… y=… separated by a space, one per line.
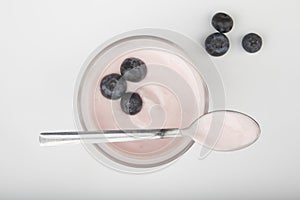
x=173 y=96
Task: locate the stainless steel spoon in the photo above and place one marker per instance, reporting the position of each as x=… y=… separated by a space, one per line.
x=222 y=130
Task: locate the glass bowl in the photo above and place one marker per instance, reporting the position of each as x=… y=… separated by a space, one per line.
x=174 y=93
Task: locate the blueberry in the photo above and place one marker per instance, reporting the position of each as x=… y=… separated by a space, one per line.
x=113 y=86
x=222 y=22
x=252 y=42
x=133 y=69
x=131 y=103
x=217 y=44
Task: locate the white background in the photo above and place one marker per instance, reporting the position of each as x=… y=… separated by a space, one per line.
x=42 y=47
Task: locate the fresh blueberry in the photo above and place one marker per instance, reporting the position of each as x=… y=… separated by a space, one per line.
x=131 y=103
x=133 y=69
x=222 y=22
x=217 y=44
x=252 y=42
x=113 y=86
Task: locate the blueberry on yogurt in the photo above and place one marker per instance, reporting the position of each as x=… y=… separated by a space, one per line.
x=133 y=69
x=131 y=103
x=113 y=86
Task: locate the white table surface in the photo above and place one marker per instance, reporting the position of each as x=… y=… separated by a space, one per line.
x=42 y=47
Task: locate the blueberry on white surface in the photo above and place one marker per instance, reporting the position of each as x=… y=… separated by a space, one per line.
x=222 y=22
x=217 y=44
x=252 y=42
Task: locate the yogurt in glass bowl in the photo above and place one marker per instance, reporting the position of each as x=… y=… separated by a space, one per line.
x=174 y=94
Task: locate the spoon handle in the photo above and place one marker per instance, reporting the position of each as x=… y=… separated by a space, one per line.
x=104 y=136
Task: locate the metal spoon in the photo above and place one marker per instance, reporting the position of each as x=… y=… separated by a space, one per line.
x=222 y=130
